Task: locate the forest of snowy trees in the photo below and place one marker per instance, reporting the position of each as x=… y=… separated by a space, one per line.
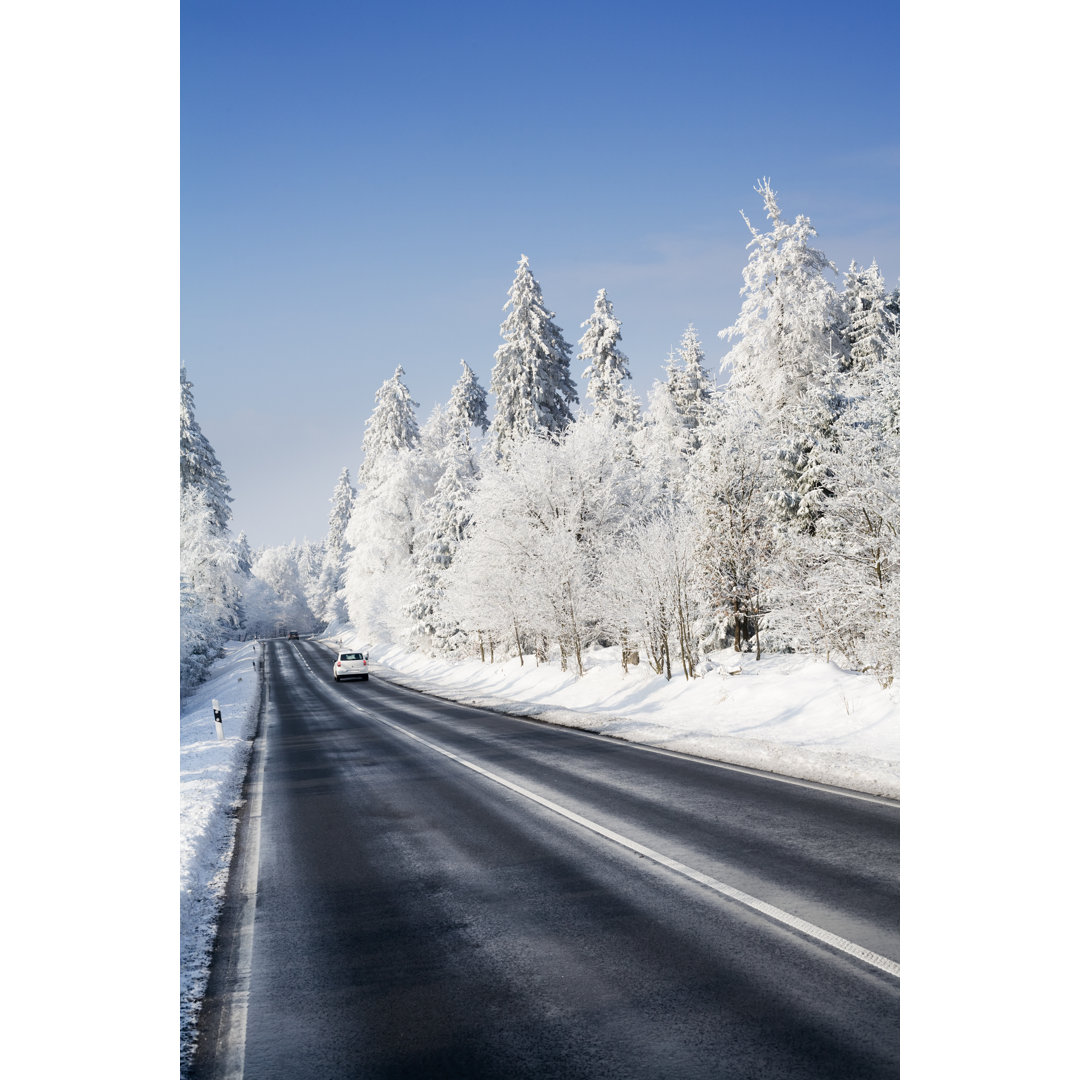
x=757 y=508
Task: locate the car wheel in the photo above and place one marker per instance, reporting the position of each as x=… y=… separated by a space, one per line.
x=364 y=677
x=336 y=679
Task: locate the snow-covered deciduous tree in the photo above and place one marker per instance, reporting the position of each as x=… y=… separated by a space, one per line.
x=728 y=490
x=649 y=589
x=526 y=575
x=531 y=379
x=392 y=426
x=607 y=370
x=276 y=594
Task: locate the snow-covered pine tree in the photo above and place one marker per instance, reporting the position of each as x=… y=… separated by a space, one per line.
x=662 y=443
x=531 y=379
x=783 y=365
x=341 y=508
x=329 y=602
x=392 y=425
x=445 y=517
x=840 y=593
x=607 y=368
x=199 y=465
x=244 y=557
x=789 y=308
x=211 y=603
x=867 y=321
x=892 y=309
x=468 y=401
x=395 y=483
x=690 y=385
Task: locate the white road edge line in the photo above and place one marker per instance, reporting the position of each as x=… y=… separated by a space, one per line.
x=883 y=963
x=235 y=1038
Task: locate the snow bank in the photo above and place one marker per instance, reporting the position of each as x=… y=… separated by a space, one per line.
x=790 y=714
x=211 y=775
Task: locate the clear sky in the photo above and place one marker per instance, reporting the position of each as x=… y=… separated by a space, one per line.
x=358 y=182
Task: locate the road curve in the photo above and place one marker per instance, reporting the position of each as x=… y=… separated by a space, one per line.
x=427 y=890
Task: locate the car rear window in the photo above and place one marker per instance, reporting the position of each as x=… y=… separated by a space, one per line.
x=352 y=656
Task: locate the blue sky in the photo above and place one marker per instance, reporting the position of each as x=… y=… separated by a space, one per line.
x=358 y=183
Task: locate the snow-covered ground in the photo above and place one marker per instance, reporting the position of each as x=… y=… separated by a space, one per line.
x=787 y=714
x=211 y=776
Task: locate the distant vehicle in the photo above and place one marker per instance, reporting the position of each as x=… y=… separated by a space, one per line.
x=350 y=665
x=293 y=636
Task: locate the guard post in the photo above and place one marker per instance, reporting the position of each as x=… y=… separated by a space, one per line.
x=218 y=725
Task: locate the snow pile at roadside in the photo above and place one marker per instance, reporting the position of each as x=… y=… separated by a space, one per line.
x=789 y=714
x=211 y=775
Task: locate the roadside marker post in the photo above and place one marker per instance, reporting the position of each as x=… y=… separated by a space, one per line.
x=217 y=720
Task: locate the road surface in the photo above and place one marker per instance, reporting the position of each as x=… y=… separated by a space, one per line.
x=424 y=890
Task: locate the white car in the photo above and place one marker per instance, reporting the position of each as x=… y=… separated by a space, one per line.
x=350 y=665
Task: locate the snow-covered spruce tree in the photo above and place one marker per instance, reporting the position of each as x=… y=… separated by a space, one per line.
x=310 y=557
x=867 y=321
x=467 y=407
x=663 y=442
x=607 y=369
x=531 y=379
x=211 y=604
x=382 y=534
x=199 y=465
x=840 y=588
x=244 y=556
x=892 y=309
x=786 y=354
x=444 y=519
x=392 y=425
x=210 y=600
x=329 y=604
x=690 y=386
x=678 y=406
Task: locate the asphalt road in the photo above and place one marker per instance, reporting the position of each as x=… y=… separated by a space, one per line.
x=425 y=890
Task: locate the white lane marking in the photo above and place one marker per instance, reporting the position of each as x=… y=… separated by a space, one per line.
x=883 y=963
